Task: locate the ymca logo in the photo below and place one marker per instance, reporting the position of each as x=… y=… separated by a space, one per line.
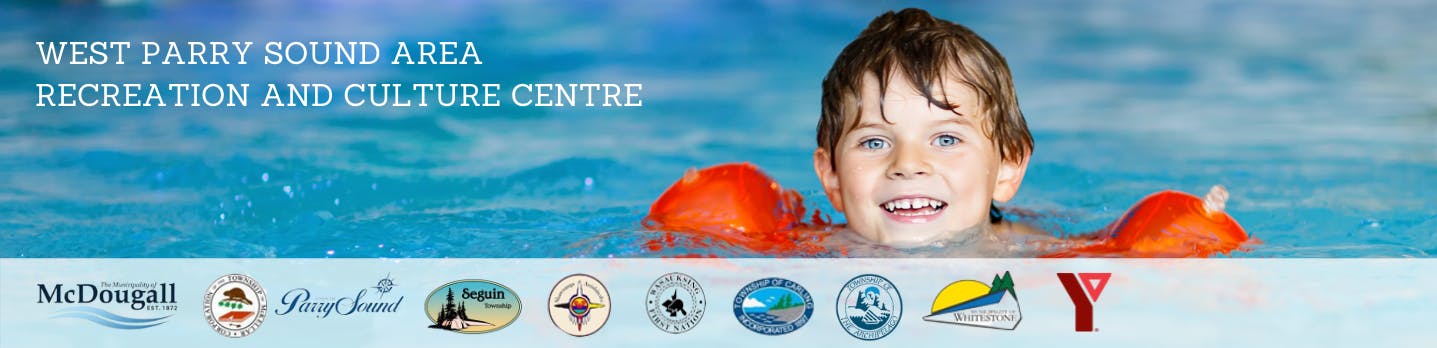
x=1084 y=289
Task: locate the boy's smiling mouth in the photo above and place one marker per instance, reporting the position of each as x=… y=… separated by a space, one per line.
x=913 y=209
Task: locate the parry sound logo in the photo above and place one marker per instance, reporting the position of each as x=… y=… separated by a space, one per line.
x=118 y=305
x=365 y=300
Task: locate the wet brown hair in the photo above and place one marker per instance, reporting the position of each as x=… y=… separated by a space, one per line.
x=925 y=50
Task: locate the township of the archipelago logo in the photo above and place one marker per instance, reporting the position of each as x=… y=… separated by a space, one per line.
x=481 y=307
x=676 y=303
x=1083 y=289
x=869 y=307
x=972 y=303
x=579 y=305
x=773 y=306
x=235 y=305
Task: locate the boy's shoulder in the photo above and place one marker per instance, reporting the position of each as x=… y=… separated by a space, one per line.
x=1010 y=228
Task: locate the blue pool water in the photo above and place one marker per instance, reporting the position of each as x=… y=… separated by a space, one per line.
x=1320 y=118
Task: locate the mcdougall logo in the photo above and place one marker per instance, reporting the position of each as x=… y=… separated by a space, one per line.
x=140 y=304
x=1083 y=301
x=300 y=301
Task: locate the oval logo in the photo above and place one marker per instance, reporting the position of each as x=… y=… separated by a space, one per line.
x=472 y=306
x=773 y=306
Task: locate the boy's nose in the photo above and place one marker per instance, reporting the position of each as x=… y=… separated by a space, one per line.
x=908 y=164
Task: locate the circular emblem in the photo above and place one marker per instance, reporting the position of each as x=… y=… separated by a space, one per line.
x=869 y=307
x=234 y=305
x=579 y=305
x=472 y=306
x=773 y=306
x=384 y=286
x=676 y=303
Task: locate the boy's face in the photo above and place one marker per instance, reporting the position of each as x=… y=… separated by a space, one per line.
x=924 y=174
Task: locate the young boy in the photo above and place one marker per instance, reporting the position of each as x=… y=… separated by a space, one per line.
x=921 y=133
x=919 y=136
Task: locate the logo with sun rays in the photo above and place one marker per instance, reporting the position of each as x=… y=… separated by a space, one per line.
x=579 y=305
x=972 y=303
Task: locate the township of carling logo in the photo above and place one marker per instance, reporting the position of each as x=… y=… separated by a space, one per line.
x=773 y=306
x=579 y=305
x=235 y=305
x=869 y=307
x=676 y=303
x=972 y=303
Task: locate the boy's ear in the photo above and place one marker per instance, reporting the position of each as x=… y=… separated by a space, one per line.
x=823 y=165
x=1010 y=176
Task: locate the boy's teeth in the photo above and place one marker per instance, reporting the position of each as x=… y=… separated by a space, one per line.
x=912 y=203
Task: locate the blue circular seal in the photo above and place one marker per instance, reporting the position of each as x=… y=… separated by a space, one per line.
x=869 y=307
x=773 y=306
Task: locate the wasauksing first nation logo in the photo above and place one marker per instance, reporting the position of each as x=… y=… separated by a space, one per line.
x=676 y=303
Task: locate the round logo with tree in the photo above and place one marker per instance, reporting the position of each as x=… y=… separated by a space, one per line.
x=869 y=307
x=773 y=306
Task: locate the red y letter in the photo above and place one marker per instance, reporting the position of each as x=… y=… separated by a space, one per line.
x=1083 y=303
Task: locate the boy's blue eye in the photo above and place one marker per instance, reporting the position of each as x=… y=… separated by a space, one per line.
x=945 y=140
x=874 y=144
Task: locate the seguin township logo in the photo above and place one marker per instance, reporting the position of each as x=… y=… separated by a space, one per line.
x=1083 y=289
x=869 y=307
x=773 y=306
x=972 y=303
x=235 y=305
x=676 y=303
x=579 y=305
x=481 y=306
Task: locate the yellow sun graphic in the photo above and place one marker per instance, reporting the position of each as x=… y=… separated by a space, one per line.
x=958 y=292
